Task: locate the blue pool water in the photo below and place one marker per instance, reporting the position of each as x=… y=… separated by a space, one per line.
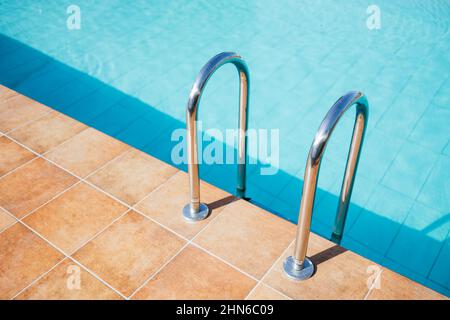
x=129 y=69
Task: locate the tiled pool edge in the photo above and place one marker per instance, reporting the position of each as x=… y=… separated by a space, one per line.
x=269 y=279
x=72 y=99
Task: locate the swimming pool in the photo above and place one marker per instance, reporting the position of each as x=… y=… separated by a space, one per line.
x=129 y=69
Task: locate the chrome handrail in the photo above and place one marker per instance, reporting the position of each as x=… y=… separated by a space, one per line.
x=298 y=266
x=195 y=210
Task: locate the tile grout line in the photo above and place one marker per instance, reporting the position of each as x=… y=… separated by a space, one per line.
x=188 y=242
x=80 y=246
x=65 y=255
x=10 y=225
x=437 y=256
x=224 y=261
x=71 y=186
x=37 y=279
x=192 y=243
x=50 y=200
x=31 y=121
x=269 y=270
x=37 y=154
x=158 y=271
x=67 y=189
x=92 y=273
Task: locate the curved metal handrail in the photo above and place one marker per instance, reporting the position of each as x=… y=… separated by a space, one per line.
x=298 y=266
x=195 y=210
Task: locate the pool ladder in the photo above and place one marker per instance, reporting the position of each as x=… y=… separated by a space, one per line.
x=298 y=266
x=196 y=210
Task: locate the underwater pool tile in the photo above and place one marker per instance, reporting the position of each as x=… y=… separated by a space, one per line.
x=396 y=287
x=164 y=151
x=292 y=191
x=132 y=176
x=56 y=285
x=355 y=246
x=12 y=156
x=446 y=150
x=165 y=206
x=114 y=120
x=398 y=119
x=19 y=110
x=14 y=59
x=272 y=184
x=15 y=77
x=139 y=133
x=39 y=87
x=340 y=274
x=243 y=235
x=91 y=106
x=409 y=273
x=379 y=150
x=436 y=191
x=432 y=129
x=420 y=239
x=24 y=257
x=47 y=132
x=129 y=251
x=386 y=209
x=393 y=76
x=32 y=185
x=441 y=98
x=325 y=210
x=439 y=273
x=68 y=94
x=206 y=278
x=86 y=152
x=410 y=169
x=75 y=216
x=362 y=190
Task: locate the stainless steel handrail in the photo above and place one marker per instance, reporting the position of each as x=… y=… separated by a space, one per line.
x=195 y=210
x=298 y=266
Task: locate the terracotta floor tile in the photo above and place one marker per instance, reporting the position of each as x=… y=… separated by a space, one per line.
x=12 y=155
x=19 y=110
x=263 y=292
x=47 y=132
x=340 y=274
x=393 y=286
x=75 y=216
x=194 y=274
x=23 y=257
x=68 y=281
x=165 y=204
x=247 y=237
x=6 y=93
x=32 y=185
x=5 y=220
x=86 y=152
x=129 y=251
x=132 y=176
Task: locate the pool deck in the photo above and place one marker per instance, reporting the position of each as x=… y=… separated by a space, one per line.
x=85 y=216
